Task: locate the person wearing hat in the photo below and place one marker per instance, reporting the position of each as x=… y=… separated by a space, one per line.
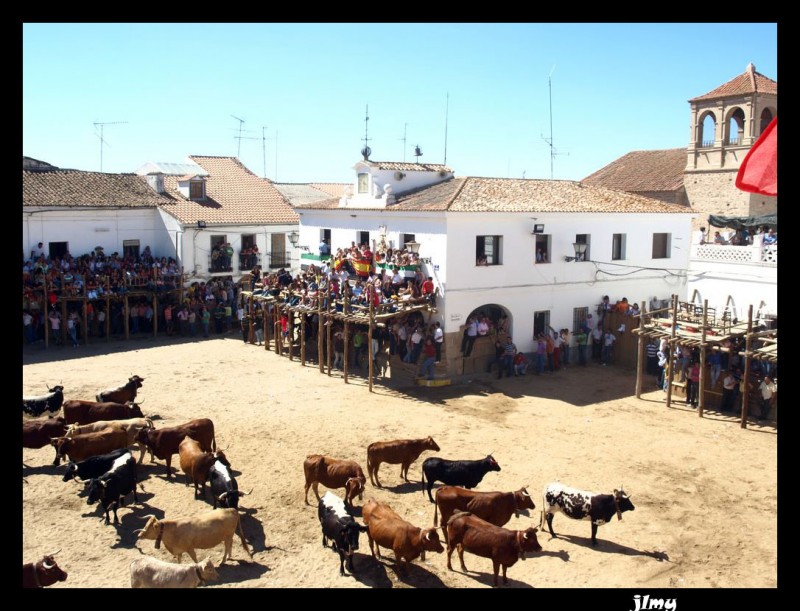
x=767 y=388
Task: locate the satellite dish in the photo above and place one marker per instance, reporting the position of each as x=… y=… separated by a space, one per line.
x=399 y=176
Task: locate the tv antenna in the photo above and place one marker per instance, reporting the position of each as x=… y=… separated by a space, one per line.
x=366 y=151
x=102 y=140
x=405 y=129
x=264 y=147
x=240 y=137
x=553 y=150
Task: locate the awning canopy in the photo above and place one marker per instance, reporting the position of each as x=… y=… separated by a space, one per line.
x=743 y=222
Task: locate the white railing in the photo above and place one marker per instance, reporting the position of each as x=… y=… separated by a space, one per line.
x=722 y=253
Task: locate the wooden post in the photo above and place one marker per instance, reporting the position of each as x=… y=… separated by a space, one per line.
x=290 y=329
x=346 y=347
x=127 y=314
x=180 y=288
x=85 y=321
x=264 y=323
x=746 y=378
x=369 y=336
x=319 y=327
x=108 y=317
x=277 y=328
x=63 y=318
x=670 y=357
x=329 y=334
x=251 y=311
x=641 y=353
x=702 y=388
x=303 y=339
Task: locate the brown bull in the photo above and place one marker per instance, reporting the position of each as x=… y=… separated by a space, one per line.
x=165 y=442
x=185 y=535
x=401 y=452
x=386 y=528
x=124 y=393
x=196 y=464
x=132 y=426
x=38 y=433
x=81 y=447
x=77 y=411
x=43 y=573
x=494 y=507
x=468 y=532
x=334 y=473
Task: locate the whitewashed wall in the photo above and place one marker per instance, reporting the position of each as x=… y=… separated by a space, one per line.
x=83 y=230
x=747 y=283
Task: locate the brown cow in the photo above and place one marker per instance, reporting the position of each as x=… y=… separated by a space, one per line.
x=165 y=442
x=38 y=433
x=43 y=573
x=334 y=473
x=77 y=411
x=468 y=532
x=123 y=394
x=401 y=452
x=386 y=528
x=81 y=447
x=196 y=464
x=494 y=507
x=131 y=425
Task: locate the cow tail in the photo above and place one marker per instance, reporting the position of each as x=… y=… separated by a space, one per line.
x=423 y=481
x=241 y=535
x=369 y=465
x=435 y=514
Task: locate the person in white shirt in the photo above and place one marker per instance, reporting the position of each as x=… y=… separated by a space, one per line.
x=597 y=343
x=768 y=388
x=438 y=340
x=608 y=347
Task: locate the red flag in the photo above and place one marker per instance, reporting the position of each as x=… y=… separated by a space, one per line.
x=759 y=170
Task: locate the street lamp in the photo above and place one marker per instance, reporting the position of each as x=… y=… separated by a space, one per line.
x=294 y=237
x=580 y=252
x=412 y=246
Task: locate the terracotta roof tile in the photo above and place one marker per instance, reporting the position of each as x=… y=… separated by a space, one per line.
x=749 y=82
x=334 y=189
x=474 y=194
x=234 y=196
x=640 y=171
x=410 y=167
x=76 y=188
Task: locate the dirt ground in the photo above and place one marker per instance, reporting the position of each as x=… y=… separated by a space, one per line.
x=705 y=490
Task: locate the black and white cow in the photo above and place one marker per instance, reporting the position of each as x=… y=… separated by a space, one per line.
x=582 y=505
x=224 y=488
x=112 y=487
x=94 y=466
x=464 y=473
x=340 y=527
x=51 y=402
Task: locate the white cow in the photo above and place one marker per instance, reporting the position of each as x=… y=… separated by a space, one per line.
x=148 y=572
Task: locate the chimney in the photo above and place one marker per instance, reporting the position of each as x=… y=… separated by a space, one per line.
x=156 y=181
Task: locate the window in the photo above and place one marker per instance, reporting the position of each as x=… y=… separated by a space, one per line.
x=57 y=249
x=325 y=234
x=578 y=318
x=363 y=182
x=362 y=237
x=130 y=248
x=278 y=257
x=197 y=189
x=618 y=247
x=583 y=238
x=487 y=250
x=541 y=322
x=542 y=249
x=661 y=245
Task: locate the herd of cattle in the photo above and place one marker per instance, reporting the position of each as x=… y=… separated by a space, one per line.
x=96 y=437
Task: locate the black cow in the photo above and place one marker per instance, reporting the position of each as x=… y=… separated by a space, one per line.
x=465 y=473
x=112 y=487
x=42 y=573
x=123 y=394
x=224 y=489
x=51 y=402
x=581 y=505
x=340 y=527
x=94 y=466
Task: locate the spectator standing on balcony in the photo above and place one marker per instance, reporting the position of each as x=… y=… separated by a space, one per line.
x=324 y=248
x=771 y=237
x=718 y=239
x=428 y=291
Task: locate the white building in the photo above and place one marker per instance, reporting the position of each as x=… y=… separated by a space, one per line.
x=635 y=247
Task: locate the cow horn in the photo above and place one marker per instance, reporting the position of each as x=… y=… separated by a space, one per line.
x=55 y=552
x=47 y=566
x=244 y=493
x=222 y=496
x=428 y=536
x=525 y=492
x=525 y=536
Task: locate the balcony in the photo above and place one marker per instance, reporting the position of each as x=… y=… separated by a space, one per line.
x=278 y=259
x=248 y=261
x=724 y=253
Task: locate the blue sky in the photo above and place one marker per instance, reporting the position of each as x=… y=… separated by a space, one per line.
x=474 y=95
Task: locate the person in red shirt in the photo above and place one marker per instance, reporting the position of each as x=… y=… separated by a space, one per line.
x=428 y=290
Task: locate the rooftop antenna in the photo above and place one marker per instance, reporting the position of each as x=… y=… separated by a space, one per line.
x=405 y=129
x=239 y=137
x=446 y=110
x=366 y=151
x=553 y=150
x=264 y=148
x=417 y=153
x=102 y=141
